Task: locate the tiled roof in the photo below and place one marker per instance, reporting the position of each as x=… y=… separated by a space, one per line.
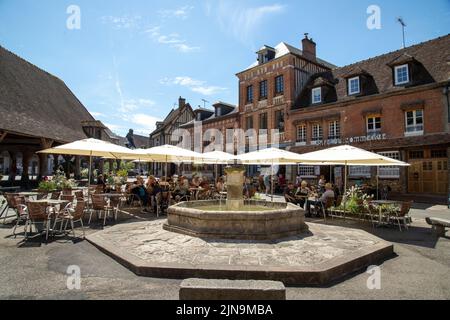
x=431 y=59
x=283 y=49
x=36 y=103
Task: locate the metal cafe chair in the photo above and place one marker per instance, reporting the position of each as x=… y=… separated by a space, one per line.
x=38 y=213
x=21 y=211
x=74 y=215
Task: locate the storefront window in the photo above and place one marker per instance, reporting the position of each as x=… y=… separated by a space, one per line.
x=359 y=172
x=390 y=171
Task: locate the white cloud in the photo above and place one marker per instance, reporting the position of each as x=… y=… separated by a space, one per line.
x=173 y=40
x=142 y=123
x=242 y=22
x=97 y=114
x=208 y=91
x=181 y=12
x=194 y=85
x=185 y=48
x=123 y=22
x=135 y=104
x=114 y=127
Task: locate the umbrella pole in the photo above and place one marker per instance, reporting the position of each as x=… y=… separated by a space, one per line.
x=378 y=175
x=89 y=180
x=166 y=169
x=271 y=182
x=345 y=183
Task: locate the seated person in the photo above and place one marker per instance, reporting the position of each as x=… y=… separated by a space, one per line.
x=139 y=190
x=329 y=193
x=289 y=193
x=101 y=182
x=164 y=196
x=195 y=182
x=302 y=193
x=181 y=189
x=220 y=185
x=153 y=189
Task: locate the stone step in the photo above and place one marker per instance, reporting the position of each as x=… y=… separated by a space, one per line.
x=218 y=289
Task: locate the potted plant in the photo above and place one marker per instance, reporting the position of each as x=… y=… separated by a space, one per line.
x=47 y=186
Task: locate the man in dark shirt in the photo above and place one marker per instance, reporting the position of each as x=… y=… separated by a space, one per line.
x=289 y=193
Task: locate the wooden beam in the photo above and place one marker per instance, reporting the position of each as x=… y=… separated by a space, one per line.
x=46 y=143
x=2 y=136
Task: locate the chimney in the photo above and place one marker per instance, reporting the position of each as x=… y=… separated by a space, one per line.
x=181 y=102
x=309 y=48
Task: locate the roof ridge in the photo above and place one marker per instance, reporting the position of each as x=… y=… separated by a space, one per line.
x=391 y=52
x=29 y=63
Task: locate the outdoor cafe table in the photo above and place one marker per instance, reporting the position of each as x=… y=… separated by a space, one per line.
x=380 y=204
x=29 y=194
x=6 y=189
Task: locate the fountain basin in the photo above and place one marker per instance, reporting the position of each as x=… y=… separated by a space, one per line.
x=257 y=220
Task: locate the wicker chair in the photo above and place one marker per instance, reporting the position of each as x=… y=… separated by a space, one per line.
x=21 y=211
x=401 y=216
x=98 y=206
x=55 y=195
x=38 y=214
x=73 y=215
x=162 y=202
x=10 y=204
x=79 y=195
x=325 y=207
x=69 y=198
x=337 y=213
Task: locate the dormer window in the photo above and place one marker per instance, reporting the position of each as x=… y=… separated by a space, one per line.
x=316 y=95
x=401 y=74
x=354 y=86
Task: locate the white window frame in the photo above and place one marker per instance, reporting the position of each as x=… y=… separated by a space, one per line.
x=319 y=136
x=301 y=138
x=397 y=82
x=411 y=130
x=375 y=130
x=349 y=83
x=334 y=129
x=360 y=171
x=313 y=95
x=389 y=172
x=307 y=171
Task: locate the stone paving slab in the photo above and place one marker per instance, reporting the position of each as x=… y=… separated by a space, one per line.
x=323 y=254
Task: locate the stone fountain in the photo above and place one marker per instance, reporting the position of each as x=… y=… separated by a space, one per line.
x=238 y=218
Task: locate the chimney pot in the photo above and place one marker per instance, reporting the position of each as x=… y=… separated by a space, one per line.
x=309 y=48
x=181 y=102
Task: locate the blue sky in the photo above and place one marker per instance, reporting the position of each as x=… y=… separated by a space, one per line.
x=131 y=60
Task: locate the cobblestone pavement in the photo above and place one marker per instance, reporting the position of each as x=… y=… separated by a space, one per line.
x=38 y=271
x=148 y=241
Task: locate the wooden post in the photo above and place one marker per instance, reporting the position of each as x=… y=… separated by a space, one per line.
x=12 y=167
x=26 y=157
x=77 y=169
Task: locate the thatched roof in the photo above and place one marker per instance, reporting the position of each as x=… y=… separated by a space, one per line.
x=36 y=103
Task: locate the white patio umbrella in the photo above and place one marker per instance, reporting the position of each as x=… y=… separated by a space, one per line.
x=167 y=153
x=216 y=158
x=348 y=155
x=91 y=148
x=270 y=156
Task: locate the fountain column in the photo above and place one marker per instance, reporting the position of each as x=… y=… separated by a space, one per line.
x=235 y=181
